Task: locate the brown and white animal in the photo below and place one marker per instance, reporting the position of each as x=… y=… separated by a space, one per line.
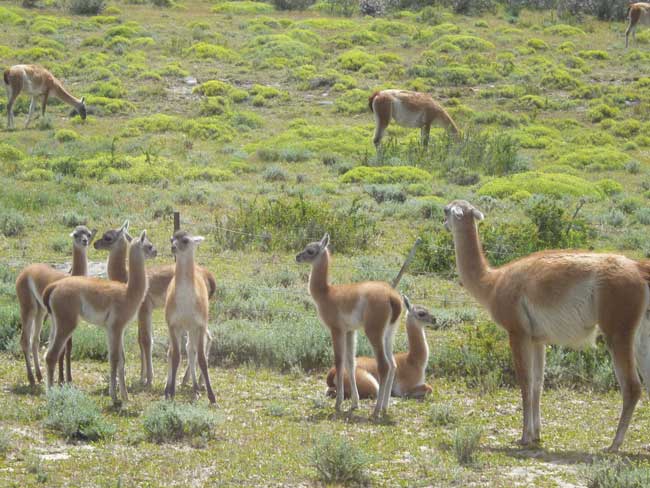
x=637 y=13
x=109 y=304
x=558 y=297
x=372 y=305
x=115 y=241
x=408 y=109
x=36 y=81
x=30 y=284
x=186 y=309
x=411 y=365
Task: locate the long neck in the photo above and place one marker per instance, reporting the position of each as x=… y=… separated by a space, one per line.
x=116 y=265
x=475 y=273
x=418 y=347
x=65 y=96
x=184 y=273
x=79 y=261
x=319 y=276
x=137 y=284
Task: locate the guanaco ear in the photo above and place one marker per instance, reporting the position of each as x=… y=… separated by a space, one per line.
x=128 y=236
x=83 y=100
x=478 y=215
x=125 y=226
x=324 y=242
x=143 y=236
x=457 y=212
x=93 y=233
x=407 y=303
x=198 y=239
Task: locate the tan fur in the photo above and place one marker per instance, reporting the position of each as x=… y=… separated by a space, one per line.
x=186 y=309
x=410 y=370
x=373 y=305
x=638 y=13
x=557 y=297
x=109 y=304
x=30 y=284
x=408 y=109
x=36 y=81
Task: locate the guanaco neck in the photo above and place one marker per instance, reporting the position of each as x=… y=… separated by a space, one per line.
x=137 y=283
x=79 y=261
x=319 y=276
x=418 y=348
x=473 y=268
x=65 y=96
x=116 y=265
x=184 y=273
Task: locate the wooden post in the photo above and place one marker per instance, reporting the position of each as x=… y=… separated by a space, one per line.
x=408 y=260
x=177 y=221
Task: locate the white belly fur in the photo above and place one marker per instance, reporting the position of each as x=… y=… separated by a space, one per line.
x=354 y=319
x=570 y=322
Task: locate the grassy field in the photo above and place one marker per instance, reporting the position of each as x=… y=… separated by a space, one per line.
x=254 y=124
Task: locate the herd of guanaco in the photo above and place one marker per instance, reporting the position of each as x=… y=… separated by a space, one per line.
x=551 y=297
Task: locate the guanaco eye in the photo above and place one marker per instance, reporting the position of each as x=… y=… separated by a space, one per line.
x=310 y=251
x=185 y=240
x=108 y=239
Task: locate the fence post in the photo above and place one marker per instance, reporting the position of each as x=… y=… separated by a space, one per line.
x=177 y=221
x=408 y=260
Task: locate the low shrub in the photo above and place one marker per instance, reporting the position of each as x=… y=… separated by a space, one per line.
x=619 y=474
x=290 y=223
x=10 y=325
x=385 y=174
x=75 y=415
x=243 y=7
x=12 y=223
x=551 y=184
x=5 y=442
x=89 y=343
x=386 y=193
x=442 y=414
x=466 y=442
x=293 y=4
x=166 y=421
x=337 y=460
x=66 y=135
x=86 y=7
x=595 y=158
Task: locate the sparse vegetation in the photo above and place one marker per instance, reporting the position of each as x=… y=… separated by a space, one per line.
x=337 y=461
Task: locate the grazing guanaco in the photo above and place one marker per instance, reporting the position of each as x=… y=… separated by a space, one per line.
x=186 y=309
x=116 y=242
x=558 y=297
x=109 y=304
x=637 y=13
x=30 y=284
x=36 y=81
x=411 y=365
x=408 y=109
x=373 y=305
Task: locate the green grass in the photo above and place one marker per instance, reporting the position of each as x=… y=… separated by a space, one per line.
x=273 y=142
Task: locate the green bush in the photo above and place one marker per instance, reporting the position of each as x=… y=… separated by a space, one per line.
x=466 y=442
x=66 y=135
x=243 y=7
x=10 y=325
x=619 y=474
x=338 y=461
x=12 y=223
x=170 y=422
x=551 y=184
x=75 y=415
x=89 y=343
x=464 y=42
x=385 y=174
x=595 y=158
x=290 y=223
x=10 y=154
x=609 y=187
x=601 y=112
x=442 y=414
x=86 y=7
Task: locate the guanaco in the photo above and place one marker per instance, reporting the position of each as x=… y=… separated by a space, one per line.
x=36 y=81
x=411 y=365
x=30 y=284
x=106 y=303
x=559 y=297
x=408 y=109
x=186 y=309
x=637 y=13
x=373 y=305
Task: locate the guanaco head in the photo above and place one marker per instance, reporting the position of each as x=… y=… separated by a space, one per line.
x=183 y=242
x=112 y=236
x=459 y=212
x=313 y=250
x=145 y=244
x=81 y=109
x=418 y=315
x=82 y=236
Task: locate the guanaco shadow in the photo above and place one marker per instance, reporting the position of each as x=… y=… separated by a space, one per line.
x=360 y=416
x=26 y=389
x=568 y=457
